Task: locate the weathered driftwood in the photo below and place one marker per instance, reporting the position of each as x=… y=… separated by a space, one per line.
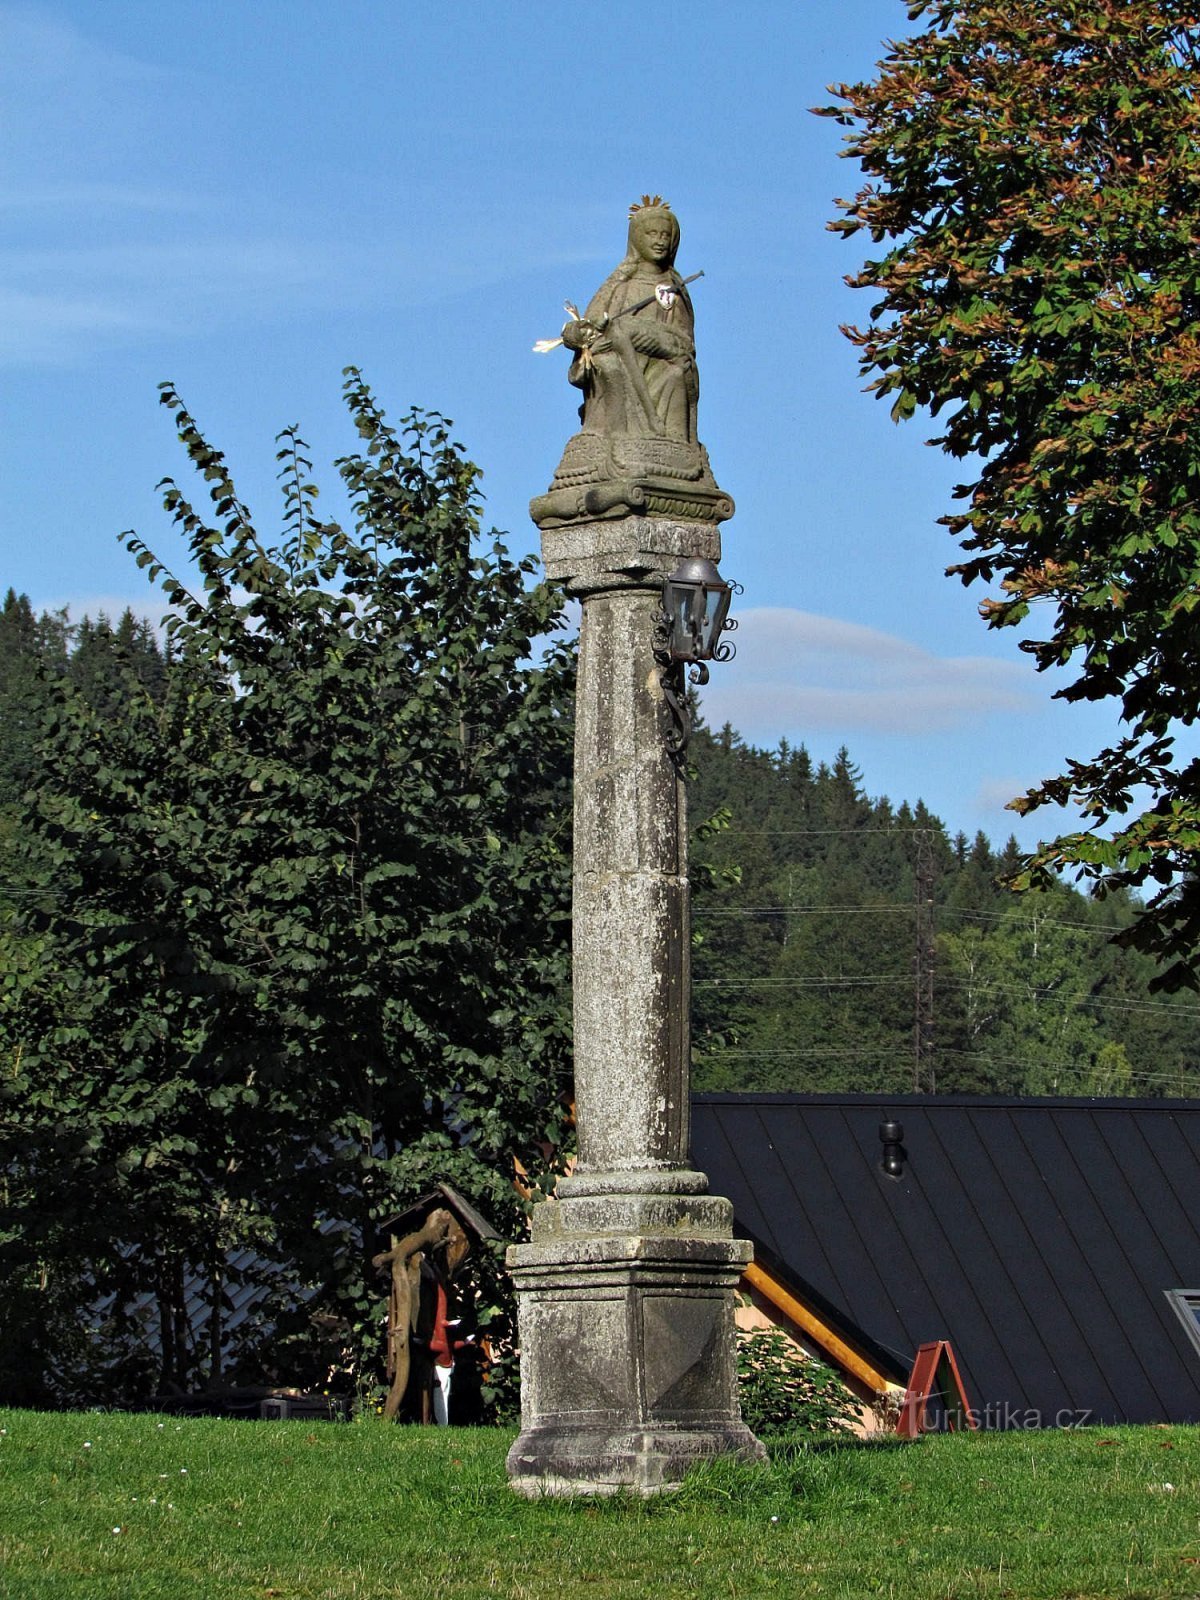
x=442 y=1232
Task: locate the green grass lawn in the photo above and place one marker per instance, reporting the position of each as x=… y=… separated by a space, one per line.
x=120 y=1507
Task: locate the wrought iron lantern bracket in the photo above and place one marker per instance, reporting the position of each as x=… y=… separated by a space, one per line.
x=687 y=636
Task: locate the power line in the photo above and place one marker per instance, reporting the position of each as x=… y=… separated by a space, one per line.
x=1066 y=1067
x=787 y=911
x=820 y=833
x=806 y=1055
x=1015 y=919
x=866 y=981
x=1062 y=1068
x=1031 y=920
x=984 y=986
x=1078 y=1000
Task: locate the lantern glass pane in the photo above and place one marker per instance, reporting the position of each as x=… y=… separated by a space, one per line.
x=682 y=630
x=716 y=606
x=697 y=619
x=712 y=599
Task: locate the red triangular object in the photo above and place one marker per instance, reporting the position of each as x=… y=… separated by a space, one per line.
x=934 y=1372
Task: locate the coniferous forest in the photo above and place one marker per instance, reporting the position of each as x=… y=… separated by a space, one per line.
x=848 y=943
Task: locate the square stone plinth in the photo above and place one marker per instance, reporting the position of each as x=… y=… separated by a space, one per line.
x=628 y=1362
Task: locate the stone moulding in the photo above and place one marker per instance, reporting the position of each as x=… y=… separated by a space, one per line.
x=634 y=1214
x=601 y=478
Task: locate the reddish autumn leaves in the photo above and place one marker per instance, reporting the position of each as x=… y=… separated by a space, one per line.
x=1033 y=173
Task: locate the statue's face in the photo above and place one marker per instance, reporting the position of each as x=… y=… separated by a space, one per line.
x=654 y=238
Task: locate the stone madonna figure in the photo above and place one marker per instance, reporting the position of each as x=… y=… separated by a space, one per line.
x=637 y=452
x=635 y=346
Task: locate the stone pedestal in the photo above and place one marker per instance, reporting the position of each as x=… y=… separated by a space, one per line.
x=626 y=1288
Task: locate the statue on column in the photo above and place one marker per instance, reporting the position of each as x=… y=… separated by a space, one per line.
x=635 y=364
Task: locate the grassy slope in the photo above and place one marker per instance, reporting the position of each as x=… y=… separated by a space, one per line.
x=216 y=1510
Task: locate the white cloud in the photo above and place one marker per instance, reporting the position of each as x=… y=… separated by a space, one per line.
x=40 y=53
x=103 y=251
x=62 y=301
x=58 y=302
x=49 y=327
x=797 y=673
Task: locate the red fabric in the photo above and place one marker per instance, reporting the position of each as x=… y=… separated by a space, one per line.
x=439 y=1340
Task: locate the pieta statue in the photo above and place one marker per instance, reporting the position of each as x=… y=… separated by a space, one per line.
x=634 y=361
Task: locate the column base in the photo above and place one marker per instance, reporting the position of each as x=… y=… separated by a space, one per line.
x=628 y=1360
x=565 y=1461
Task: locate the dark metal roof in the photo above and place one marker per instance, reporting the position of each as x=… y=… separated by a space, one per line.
x=1038 y=1236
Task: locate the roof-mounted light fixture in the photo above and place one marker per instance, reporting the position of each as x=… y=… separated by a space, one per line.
x=891 y=1137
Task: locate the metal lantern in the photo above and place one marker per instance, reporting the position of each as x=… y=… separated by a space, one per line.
x=696 y=601
x=695 y=613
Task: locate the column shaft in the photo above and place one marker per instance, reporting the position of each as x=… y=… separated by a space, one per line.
x=630 y=910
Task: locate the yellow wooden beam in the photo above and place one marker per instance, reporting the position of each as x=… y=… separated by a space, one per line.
x=767 y=1285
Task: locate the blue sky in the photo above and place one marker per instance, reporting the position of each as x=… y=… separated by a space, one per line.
x=245 y=198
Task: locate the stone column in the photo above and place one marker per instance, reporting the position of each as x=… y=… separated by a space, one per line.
x=628 y=1361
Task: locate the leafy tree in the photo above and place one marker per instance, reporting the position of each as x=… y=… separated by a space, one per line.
x=1020 y=1019
x=309 y=895
x=1113 y=1073
x=1033 y=167
x=790 y=942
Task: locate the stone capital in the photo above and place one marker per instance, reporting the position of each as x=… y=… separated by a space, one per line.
x=631 y=552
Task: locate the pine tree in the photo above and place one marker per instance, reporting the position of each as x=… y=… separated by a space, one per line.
x=820 y=965
x=33 y=652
